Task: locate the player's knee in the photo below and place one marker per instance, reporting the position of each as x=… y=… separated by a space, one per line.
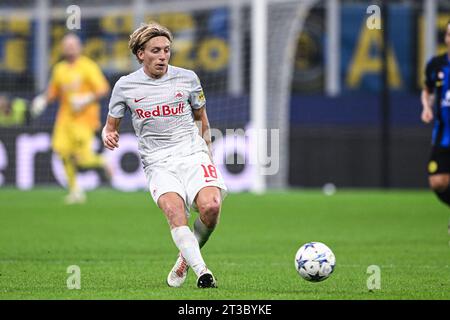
x=174 y=213
x=210 y=211
x=439 y=183
x=172 y=210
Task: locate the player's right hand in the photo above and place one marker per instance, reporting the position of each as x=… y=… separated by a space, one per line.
x=427 y=115
x=38 y=105
x=110 y=139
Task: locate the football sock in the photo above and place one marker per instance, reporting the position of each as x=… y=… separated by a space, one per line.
x=201 y=232
x=187 y=244
x=70 y=169
x=444 y=196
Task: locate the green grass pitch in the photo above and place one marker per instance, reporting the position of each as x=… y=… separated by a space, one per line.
x=122 y=244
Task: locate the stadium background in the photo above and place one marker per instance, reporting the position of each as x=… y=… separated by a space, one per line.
x=334 y=137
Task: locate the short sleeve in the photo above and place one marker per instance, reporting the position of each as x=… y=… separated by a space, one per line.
x=197 y=96
x=430 y=76
x=117 y=103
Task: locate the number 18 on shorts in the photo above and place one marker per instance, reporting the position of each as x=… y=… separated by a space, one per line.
x=185 y=176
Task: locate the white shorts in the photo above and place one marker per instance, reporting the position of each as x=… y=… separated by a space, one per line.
x=185 y=176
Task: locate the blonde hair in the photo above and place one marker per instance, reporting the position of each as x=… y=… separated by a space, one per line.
x=144 y=33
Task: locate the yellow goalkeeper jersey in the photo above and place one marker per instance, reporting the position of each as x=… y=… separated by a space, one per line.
x=69 y=81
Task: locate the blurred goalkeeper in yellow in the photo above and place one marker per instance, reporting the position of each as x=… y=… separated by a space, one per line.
x=78 y=84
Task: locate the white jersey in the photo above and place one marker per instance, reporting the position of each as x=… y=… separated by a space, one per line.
x=161 y=111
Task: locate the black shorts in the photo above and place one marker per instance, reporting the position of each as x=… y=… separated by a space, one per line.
x=439 y=161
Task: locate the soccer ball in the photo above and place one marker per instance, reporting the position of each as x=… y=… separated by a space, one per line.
x=314 y=261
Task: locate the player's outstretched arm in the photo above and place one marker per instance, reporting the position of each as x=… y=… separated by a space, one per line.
x=42 y=100
x=427 y=106
x=110 y=133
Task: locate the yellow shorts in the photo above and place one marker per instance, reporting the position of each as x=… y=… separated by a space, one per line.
x=73 y=140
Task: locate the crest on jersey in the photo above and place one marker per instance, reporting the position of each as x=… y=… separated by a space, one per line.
x=201 y=97
x=440 y=75
x=179 y=95
x=432 y=167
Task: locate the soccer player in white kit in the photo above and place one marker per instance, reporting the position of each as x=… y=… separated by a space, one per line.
x=164 y=102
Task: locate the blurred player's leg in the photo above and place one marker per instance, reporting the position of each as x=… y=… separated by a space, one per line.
x=76 y=195
x=86 y=158
x=444 y=195
x=69 y=169
x=440 y=183
x=90 y=160
x=64 y=145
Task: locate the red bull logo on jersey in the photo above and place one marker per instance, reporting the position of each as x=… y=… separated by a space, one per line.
x=179 y=95
x=164 y=110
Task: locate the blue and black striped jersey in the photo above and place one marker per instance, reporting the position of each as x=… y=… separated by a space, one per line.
x=437 y=81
